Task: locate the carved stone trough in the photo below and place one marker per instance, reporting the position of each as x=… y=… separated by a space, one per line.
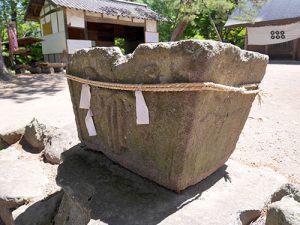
x=191 y=133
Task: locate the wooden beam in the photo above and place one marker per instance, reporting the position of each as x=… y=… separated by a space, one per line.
x=50 y=12
x=111 y=21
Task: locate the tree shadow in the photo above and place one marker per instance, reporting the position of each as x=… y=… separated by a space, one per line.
x=284 y=62
x=30 y=87
x=114 y=195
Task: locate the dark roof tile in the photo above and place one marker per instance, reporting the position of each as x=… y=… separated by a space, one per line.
x=272 y=10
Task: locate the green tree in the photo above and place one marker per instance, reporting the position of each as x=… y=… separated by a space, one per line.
x=14 y=10
x=184 y=13
x=202 y=19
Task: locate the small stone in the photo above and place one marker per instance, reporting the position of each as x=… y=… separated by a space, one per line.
x=10 y=137
x=286 y=190
x=35 y=137
x=59 y=141
x=284 y=212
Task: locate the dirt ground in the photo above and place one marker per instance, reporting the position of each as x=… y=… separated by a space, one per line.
x=270 y=138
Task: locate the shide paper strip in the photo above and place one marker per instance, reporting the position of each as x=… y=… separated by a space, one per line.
x=90 y=124
x=142 y=112
x=85 y=98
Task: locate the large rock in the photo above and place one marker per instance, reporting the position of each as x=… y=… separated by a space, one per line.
x=284 y=212
x=98 y=191
x=191 y=134
x=35 y=137
x=20 y=181
x=59 y=141
x=38 y=213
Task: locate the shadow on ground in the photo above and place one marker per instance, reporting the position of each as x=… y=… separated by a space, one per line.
x=107 y=192
x=29 y=87
x=284 y=62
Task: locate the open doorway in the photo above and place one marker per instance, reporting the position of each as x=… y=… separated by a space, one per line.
x=107 y=35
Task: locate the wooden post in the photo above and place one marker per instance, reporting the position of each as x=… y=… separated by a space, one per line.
x=86 y=35
x=267 y=49
x=246 y=40
x=295 y=46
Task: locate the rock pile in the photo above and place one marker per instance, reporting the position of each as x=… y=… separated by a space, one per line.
x=28 y=166
x=97 y=191
x=285 y=207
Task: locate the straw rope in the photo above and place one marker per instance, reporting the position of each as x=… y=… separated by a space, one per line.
x=174 y=87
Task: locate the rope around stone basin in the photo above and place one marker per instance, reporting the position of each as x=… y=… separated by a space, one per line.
x=249 y=89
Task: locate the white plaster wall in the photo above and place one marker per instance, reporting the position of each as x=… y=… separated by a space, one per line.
x=61 y=20
x=74 y=45
x=151 y=26
x=151 y=37
x=54 y=43
x=54 y=23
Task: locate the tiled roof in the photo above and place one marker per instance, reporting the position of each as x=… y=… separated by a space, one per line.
x=109 y=7
x=272 y=10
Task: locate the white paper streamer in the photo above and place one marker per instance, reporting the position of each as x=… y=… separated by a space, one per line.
x=90 y=124
x=85 y=98
x=142 y=112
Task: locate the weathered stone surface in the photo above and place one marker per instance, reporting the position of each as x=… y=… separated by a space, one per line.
x=191 y=134
x=59 y=141
x=20 y=181
x=248 y=216
x=284 y=212
x=3 y=144
x=10 y=137
x=98 y=191
x=286 y=190
x=38 y=213
x=35 y=137
x=5 y=216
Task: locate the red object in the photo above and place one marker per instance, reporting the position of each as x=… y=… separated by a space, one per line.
x=13 y=38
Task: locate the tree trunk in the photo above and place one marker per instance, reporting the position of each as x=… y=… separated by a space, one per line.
x=178 y=31
x=3 y=71
x=214 y=26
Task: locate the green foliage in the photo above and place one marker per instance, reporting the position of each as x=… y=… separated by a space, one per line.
x=24 y=28
x=121 y=43
x=206 y=18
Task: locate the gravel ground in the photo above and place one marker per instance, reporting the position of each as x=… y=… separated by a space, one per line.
x=45 y=97
x=270 y=138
